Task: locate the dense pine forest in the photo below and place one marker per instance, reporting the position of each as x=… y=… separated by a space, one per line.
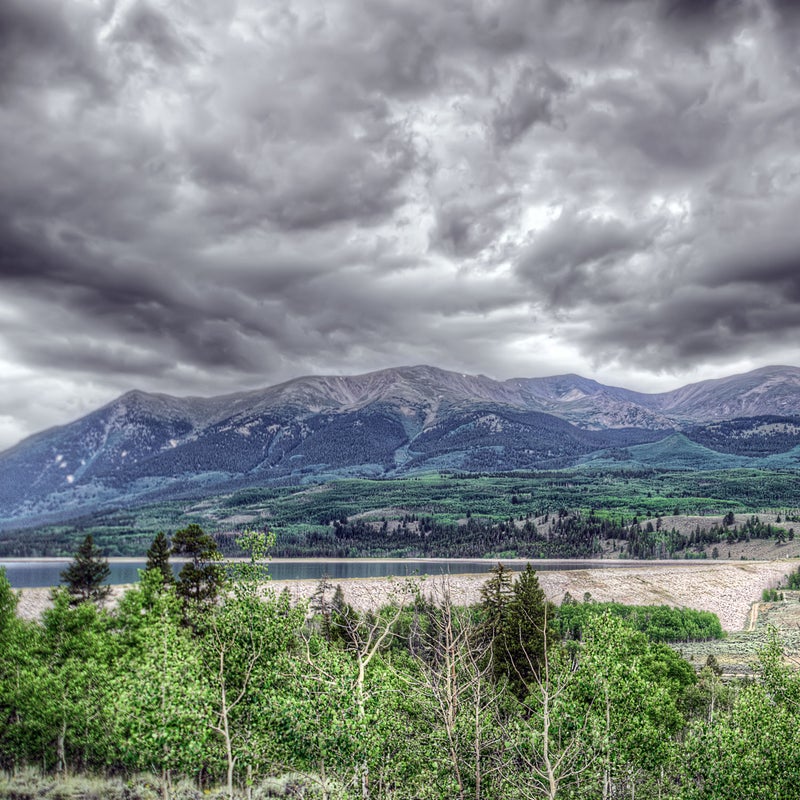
x=216 y=685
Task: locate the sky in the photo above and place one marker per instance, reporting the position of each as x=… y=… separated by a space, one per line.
x=205 y=196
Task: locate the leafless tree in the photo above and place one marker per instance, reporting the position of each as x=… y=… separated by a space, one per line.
x=548 y=743
x=455 y=673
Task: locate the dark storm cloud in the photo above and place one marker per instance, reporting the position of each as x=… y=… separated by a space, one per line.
x=574 y=259
x=146 y=27
x=43 y=42
x=710 y=17
x=86 y=354
x=787 y=10
x=464 y=228
x=711 y=323
x=205 y=196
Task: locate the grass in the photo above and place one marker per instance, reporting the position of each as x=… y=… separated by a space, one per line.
x=32 y=784
x=737 y=654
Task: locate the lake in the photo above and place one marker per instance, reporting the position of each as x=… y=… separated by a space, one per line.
x=29 y=573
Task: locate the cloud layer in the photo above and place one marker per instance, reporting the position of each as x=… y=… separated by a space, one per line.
x=203 y=196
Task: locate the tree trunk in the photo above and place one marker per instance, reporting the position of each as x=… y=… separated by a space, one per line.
x=478 y=772
x=224 y=728
x=323 y=781
x=61 y=756
x=362 y=714
x=607 y=754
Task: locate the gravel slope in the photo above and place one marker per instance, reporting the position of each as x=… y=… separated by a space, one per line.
x=727 y=589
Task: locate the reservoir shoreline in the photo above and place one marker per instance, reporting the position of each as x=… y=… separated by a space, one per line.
x=727 y=589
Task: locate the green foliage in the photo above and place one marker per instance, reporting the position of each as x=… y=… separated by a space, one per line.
x=8 y=600
x=17 y=662
x=162 y=694
x=793 y=581
x=263 y=698
x=658 y=623
x=752 y=748
x=85 y=575
x=73 y=662
x=496 y=594
x=248 y=575
x=447 y=515
x=630 y=688
x=525 y=631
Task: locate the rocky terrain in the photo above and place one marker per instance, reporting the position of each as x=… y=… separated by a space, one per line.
x=726 y=589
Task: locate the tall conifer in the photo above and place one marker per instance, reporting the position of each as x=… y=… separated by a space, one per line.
x=158 y=559
x=202 y=577
x=85 y=575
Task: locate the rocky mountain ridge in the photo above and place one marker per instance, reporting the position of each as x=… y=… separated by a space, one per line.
x=585 y=402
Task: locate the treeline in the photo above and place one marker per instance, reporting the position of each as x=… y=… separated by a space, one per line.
x=422 y=536
x=562 y=534
x=447 y=499
x=649 y=540
x=751 y=436
x=229 y=690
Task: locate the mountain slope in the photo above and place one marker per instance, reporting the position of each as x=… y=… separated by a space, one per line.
x=390 y=422
x=769 y=390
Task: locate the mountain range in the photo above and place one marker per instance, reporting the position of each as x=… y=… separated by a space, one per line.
x=144 y=447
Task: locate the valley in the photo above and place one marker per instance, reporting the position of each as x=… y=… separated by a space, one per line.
x=567 y=514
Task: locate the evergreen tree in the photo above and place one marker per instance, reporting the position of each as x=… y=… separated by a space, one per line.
x=526 y=631
x=8 y=600
x=158 y=559
x=202 y=577
x=496 y=594
x=85 y=575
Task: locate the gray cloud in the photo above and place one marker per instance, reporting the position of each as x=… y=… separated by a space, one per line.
x=44 y=44
x=144 y=27
x=531 y=102
x=574 y=261
x=201 y=197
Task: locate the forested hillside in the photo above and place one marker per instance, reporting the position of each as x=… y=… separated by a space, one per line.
x=565 y=514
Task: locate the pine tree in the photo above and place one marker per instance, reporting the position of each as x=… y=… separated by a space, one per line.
x=201 y=579
x=85 y=575
x=527 y=631
x=728 y=519
x=158 y=559
x=8 y=600
x=496 y=594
